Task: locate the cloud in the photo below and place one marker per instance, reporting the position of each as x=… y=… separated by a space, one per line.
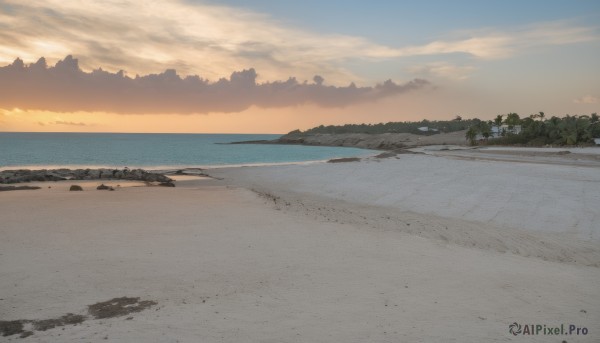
x=149 y=36
x=588 y=99
x=443 y=69
x=144 y=37
x=65 y=87
x=498 y=44
x=63 y=122
x=69 y=123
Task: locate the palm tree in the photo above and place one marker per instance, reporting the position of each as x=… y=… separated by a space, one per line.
x=553 y=129
x=484 y=128
x=471 y=134
x=498 y=121
x=568 y=130
x=512 y=119
x=583 y=127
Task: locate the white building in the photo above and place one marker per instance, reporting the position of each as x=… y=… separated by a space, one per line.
x=497 y=132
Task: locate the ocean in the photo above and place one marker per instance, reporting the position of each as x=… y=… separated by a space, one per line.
x=152 y=151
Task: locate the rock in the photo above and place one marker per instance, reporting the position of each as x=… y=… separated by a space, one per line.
x=26 y=175
x=150 y=177
x=94 y=174
x=106 y=173
x=167 y=184
x=17 y=188
x=54 y=177
x=345 y=159
x=75 y=188
x=386 y=154
x=103 y=187
x=163 y=178
x=135 y=174
x=79 y=174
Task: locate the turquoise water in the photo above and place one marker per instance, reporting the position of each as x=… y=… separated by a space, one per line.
x=152 y=150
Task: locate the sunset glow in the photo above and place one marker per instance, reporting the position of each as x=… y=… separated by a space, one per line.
x=202 y=66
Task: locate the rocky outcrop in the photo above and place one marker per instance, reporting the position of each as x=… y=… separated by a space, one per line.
x=27 y=175
x=380 y=141
x=345 y=159
x=17 y=188
x=76 y=188
x=104 y=187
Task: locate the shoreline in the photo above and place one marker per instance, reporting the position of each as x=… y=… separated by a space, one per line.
x=168 y=168
x=427 y=148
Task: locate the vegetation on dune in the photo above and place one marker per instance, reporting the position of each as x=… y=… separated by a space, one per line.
x=536 y=130
x=457 y=124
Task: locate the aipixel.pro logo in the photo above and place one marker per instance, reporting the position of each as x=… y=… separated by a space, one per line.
x=547 y=330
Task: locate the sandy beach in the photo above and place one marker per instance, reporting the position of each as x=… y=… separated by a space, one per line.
x=437 y=246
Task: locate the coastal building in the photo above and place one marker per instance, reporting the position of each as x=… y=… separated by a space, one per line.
x=427 y=129
x=499 y=132
x=506 y=129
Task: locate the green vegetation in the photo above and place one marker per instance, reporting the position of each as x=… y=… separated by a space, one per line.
x=471 y=134
x=536 y=130
x=457 y=124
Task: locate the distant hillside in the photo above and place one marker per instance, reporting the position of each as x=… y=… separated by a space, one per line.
x=379 y=141
x=433 y=127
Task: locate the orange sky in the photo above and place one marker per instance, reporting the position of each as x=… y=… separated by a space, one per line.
x=253 y=120
x=434 y=104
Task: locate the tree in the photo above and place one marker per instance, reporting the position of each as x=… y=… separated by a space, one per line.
x=594 y=126
x=553 y=129
x=583 y=127
x=485 y=129
x=471 y=134
x=512 y=119
x=498 y=122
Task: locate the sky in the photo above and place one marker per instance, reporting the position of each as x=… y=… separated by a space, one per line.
x=265 y=66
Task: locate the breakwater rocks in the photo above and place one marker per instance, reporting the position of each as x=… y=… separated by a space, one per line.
x=27 y=175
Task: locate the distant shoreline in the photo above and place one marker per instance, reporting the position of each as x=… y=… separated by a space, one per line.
x=377 y=141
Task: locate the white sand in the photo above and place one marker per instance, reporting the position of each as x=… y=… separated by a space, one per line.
x=227 y=265
x=541 y=197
